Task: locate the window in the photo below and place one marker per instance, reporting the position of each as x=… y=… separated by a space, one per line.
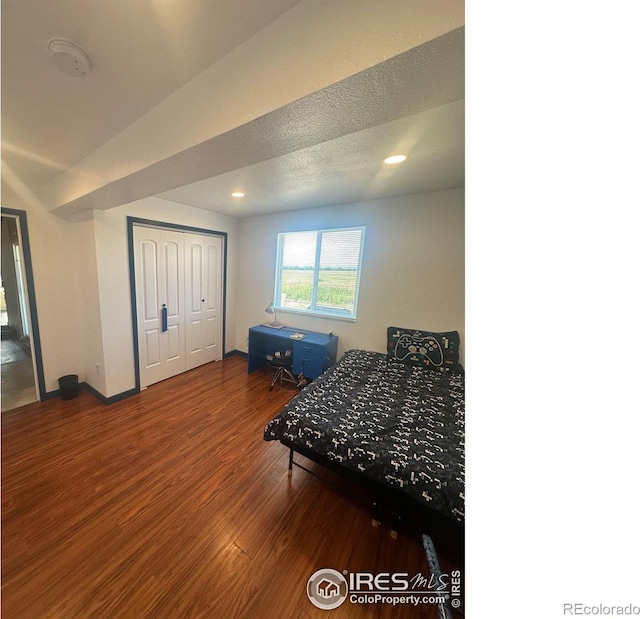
x=318 y=271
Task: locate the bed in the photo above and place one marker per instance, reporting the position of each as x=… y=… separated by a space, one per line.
x=394 y=421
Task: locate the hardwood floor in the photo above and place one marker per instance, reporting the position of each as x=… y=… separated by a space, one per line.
x=170 y=504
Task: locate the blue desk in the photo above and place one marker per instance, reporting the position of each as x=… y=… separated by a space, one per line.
x=311 y=355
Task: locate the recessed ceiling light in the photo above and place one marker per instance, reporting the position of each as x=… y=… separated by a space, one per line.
x=395 y=159
x=238 y=194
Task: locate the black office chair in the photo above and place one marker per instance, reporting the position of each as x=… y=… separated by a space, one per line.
x=282 y=362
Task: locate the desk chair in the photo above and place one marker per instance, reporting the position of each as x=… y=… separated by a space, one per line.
x=282 y=361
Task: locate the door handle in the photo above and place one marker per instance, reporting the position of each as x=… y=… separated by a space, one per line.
x=164 y=317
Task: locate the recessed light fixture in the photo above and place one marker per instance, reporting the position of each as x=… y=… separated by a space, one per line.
x=395 y=159
x=238 y=194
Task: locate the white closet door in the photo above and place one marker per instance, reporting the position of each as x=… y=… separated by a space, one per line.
x=159 y=269
x=203 y=296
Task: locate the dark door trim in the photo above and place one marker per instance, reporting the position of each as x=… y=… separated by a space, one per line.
x=33 y=309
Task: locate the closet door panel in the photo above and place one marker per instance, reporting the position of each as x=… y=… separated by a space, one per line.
x=174 y=343
x=174 y=277
x=195 y=337
x=151 y=352
x=159 y=273
x=194 y=272
x=212 y=272
x=204 y=274
x=174 y=353
x=150 y=274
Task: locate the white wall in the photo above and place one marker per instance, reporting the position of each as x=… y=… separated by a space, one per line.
x=412 y=272
x=90 y=326
x=114 y=287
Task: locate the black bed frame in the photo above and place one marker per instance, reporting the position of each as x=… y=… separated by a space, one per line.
x=388 y=503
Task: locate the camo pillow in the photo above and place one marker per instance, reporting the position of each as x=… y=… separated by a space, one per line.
x=437 y=351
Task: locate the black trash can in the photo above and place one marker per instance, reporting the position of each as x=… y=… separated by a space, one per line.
x=68 y=386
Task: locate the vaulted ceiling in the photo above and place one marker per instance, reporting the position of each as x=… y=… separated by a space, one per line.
x=293 y=103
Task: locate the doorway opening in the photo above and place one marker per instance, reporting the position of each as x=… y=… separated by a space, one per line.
x=20 y=358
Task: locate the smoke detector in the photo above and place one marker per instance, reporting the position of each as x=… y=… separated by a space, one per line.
x=68 y=57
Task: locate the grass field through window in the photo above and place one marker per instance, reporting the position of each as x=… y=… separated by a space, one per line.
x=336 y=288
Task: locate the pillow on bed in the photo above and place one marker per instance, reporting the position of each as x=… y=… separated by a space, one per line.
x=439 y=351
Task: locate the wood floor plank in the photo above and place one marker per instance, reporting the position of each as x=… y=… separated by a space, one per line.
x=171 y=504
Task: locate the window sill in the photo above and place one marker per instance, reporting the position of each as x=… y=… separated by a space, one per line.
x=288 y=310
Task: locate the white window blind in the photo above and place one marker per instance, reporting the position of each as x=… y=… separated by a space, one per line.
x=318 y=271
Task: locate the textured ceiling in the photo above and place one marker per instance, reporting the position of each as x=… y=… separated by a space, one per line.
x=323 y=148
x=345 y=169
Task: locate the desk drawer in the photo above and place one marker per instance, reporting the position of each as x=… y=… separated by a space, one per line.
x=308 y=359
